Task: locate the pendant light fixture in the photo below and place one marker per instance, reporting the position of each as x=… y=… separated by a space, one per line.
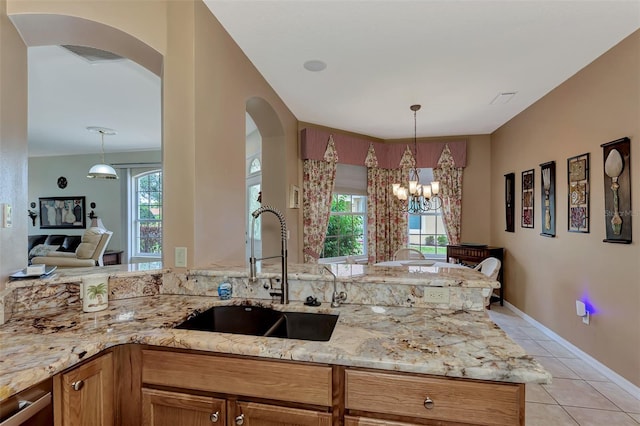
x=102 y=170
x=419 y=198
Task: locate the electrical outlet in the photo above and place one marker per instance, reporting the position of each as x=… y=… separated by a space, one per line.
x=436 y=295
x=181 y=257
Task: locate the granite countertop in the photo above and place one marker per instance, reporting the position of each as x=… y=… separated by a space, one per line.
x=70 y=275
x=38 y=344
x=436 y=275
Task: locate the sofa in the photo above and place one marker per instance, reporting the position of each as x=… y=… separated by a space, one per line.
x=39 y=244
x=88 y=249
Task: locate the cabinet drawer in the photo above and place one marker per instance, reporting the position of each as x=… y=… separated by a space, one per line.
x=160 y=408
x=281 y=380
x=485 y=403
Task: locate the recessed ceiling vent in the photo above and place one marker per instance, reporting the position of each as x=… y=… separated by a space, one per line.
x=91 y=54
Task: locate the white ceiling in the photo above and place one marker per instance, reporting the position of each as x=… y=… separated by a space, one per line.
x=453 y=57
x=67 y=94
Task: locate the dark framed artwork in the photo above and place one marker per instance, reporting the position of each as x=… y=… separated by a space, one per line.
x=528 y=185
x=579 y=193
x=62 y=212
x=509 y=197
x=548 y=197
x=617 y=190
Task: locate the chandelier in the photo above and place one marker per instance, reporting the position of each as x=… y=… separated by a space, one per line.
x=419 y=198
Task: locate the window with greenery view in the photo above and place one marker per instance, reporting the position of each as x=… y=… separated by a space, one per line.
x=427 y=234
x=346 y=233
x=148 y=219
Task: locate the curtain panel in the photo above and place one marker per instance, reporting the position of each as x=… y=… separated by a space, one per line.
x=450 y=178
x=317 y=186
x=386 y=223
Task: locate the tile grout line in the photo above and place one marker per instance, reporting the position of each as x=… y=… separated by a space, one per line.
x=618 y=409
x=611 y=375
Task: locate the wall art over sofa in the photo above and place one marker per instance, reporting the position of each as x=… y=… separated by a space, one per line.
x=62 y=212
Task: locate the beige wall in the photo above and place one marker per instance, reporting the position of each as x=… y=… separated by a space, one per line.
x=207 y=82
x=13 y=145
x=476 y=191
x=544 y=276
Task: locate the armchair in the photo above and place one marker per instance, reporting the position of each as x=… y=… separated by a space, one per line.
x=88 y=253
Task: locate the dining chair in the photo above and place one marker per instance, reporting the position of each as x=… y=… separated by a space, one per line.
x=407 y=253
x=491 y=268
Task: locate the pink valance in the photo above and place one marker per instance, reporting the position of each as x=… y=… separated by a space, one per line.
x=353 y=150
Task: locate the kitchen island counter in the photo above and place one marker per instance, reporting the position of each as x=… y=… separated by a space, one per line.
x=39 y=343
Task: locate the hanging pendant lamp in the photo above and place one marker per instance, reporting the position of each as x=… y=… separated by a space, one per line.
x=102 y=170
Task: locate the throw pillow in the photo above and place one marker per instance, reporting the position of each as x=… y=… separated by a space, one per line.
x=89 y=242
x=42 y=250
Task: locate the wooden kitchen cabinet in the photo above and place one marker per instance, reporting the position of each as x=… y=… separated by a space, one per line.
x=85 y=395
x=372 y=394
x=257 y=392
x=367 y=421
x=191 y=388
x=255 y=414
x=163 y=408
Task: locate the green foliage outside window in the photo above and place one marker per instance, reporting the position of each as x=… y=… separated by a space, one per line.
x=345 y=231
x=149 y=196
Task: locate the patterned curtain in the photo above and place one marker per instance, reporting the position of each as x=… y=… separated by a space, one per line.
x=317 y=188
x=450 y=178
x=386 y=223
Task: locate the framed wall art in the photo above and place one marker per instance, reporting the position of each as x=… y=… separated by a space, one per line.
x=617 y=191
x=548 y=198
x=579 y=193
x=509 y=197
x=62 y=212
x=528 y=185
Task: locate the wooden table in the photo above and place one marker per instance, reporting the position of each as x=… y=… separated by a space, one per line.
x=112 y=257
x=474 y=254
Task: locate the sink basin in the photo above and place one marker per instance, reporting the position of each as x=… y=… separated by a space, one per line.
x=259 y=321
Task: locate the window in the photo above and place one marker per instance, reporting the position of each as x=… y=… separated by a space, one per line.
x=148 y=214
x=255 y=167
x=427 y=234
x=347 y=229
x=426 y=231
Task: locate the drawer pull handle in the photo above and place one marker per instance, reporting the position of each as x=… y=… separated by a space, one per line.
x=77 y=385
x=428 y=403
x=214 y=417
x=240 y=420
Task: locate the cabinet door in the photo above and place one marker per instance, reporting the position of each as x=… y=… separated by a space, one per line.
x=86 y=394
x=368 y=421
x=162 y=408
x=254 y=414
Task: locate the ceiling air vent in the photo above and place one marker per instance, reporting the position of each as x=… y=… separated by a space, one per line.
x=92 y=54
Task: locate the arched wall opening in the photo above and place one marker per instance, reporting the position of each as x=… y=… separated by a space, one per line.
x=53 y=30
x=274 y=177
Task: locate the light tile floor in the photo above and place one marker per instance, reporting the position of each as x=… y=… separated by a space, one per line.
x=579 y=395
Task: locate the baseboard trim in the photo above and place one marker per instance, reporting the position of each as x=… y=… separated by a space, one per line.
x=594 y=363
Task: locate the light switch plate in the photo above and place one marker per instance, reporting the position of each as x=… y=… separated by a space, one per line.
x=181 y=257
x=7 y=219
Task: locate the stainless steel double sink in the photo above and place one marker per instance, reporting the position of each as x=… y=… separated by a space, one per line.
x=260 y=321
